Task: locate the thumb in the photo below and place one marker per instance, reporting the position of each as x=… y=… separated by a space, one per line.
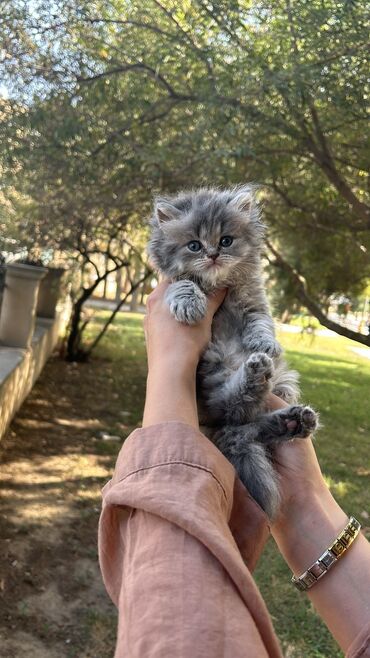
x=215 y=300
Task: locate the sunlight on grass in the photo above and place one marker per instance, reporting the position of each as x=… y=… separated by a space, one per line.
x=339 y=488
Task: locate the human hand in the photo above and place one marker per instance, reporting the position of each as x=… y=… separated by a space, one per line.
x=298 y=467
x=308 y=517
x=174 y=350
x=308 y=522
x=168 y=339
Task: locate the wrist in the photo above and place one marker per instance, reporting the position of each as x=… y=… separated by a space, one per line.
x=171 y=392
x=182 y=364
x=305 y=529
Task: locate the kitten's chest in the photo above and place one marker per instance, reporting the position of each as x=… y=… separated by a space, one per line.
x=229 y=321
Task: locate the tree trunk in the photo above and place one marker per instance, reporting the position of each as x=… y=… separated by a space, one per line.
x=134 y=301
x=135 y=290
x=118 y=286
x=74 y=352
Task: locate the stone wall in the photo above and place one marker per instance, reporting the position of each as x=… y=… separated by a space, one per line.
x=26 y=339
x=19 y=368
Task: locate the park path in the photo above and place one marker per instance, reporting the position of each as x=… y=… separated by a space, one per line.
x=54 y=463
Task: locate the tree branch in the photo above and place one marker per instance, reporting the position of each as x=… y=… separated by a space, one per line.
x=305 y=298
x=326 y=162
x=139 y=66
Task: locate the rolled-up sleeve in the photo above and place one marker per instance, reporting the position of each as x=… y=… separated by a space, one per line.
x=178 y=538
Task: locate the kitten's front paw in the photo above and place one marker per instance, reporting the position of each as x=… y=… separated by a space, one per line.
x=187 y=302
x=264 y=344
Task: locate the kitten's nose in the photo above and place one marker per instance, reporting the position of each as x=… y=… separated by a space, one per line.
x=213 y=256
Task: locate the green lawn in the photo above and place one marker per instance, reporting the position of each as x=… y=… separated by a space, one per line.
x=305 y=321
x=336 y=382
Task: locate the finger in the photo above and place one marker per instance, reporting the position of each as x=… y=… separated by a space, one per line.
x=274 y=402
x=162 y=285
x=215 y=300
x=157 y=294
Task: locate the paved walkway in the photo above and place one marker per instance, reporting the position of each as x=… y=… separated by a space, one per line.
x=110 y=305
x=294 y=329
x=362 y=351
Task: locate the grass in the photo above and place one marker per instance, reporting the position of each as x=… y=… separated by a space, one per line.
x=124 y=347
x=306 y=321
x=336 y=382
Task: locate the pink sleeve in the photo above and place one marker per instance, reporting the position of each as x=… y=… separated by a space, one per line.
x=176 y=531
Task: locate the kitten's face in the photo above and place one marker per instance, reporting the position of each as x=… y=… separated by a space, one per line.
x=205 y=234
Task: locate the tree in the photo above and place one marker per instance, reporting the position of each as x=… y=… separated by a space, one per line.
x=215 y=93
x=72 y=207
x=282 y=85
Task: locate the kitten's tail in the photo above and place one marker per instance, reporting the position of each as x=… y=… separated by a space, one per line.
x=252 y=464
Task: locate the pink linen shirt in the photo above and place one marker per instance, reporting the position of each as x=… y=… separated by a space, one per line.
x=179 y=536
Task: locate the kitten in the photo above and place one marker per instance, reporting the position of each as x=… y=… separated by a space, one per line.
x=207 y=239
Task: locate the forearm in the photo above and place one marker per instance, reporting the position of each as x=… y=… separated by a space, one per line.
x=170 y=393
x=342 y=596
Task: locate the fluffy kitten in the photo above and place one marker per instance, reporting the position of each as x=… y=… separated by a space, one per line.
x=206 y=239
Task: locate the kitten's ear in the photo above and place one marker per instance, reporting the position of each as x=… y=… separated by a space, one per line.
x=164 y=211
x=241 y=198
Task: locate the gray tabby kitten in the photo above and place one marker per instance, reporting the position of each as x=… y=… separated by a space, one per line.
x=207 y=239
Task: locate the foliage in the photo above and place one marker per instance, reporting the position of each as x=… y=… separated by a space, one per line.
x=122 y=99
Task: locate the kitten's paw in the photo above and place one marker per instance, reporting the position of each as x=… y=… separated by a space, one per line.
x=259 y=367
x=301 y=421
x=187 y=302
x=264 y=344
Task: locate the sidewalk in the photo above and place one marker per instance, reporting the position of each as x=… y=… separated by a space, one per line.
x=294 y=329
x=110 y=305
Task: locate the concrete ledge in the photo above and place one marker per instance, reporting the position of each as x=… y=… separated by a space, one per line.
x=19 y=368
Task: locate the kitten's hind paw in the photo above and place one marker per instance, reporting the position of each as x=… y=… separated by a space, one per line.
x=187 y=302
x=259 y=367
x=295 y=422
x=301 y=421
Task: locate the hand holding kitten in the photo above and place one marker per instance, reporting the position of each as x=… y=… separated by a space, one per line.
x=167 y=339
x=210 y=239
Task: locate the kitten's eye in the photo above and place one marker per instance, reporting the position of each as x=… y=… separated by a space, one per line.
x=194 y=245
x=226 y=241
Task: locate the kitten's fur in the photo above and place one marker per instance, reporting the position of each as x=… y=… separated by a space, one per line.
x=243 y=362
